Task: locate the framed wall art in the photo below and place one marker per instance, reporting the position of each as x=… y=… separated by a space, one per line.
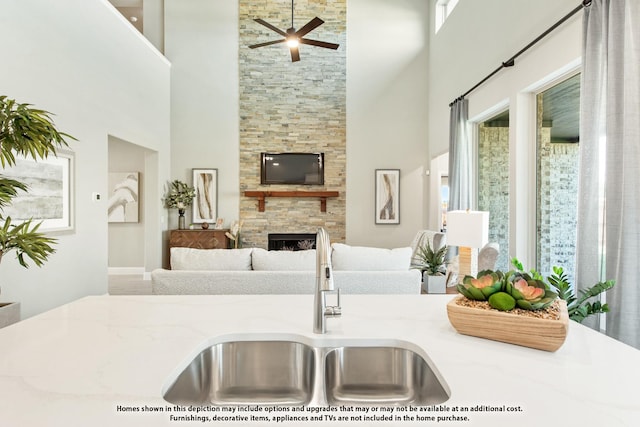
x=50 y=196
x=205 y=204
x=387 y=195
x=124 y=193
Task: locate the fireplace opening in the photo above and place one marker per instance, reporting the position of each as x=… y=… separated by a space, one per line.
x=291 y=241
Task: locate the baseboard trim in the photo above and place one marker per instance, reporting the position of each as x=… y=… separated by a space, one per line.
x=120 y=271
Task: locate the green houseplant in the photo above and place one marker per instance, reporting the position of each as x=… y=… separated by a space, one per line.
x=432 y=263
x=531 y=291
x=24 y=132
x=179 y=196
x=579 y=307
x=522 y=307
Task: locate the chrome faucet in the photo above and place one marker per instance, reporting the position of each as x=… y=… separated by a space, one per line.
x=324 y=284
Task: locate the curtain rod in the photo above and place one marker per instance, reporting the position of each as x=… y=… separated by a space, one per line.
x=511 y=61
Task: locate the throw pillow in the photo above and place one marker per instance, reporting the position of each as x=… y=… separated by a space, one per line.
x=263 y=259
x=211 y=259
x=361 y=258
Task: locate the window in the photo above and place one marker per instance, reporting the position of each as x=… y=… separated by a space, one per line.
x=444 y=201
x=493 y=181
x=557 y=176
x=443 y=10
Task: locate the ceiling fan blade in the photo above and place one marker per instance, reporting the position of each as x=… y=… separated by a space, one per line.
x=309 y=26
x=253 y=46
x=271 y=27
x=295 y=54
x=319 y=43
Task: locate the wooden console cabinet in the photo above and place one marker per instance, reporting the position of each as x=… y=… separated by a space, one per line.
x=199 y=239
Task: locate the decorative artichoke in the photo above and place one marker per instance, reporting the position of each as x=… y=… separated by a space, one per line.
x=481 y=288
x=530 y=294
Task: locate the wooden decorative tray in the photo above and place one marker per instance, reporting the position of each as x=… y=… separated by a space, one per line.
x=539 y=333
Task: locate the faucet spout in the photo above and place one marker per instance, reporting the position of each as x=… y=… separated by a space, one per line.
x=324 y=283
x=324 y=272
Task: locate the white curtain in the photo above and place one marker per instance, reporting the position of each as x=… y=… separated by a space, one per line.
x=609 y=197
x=460 y=160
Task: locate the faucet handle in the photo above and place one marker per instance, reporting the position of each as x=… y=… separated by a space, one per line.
x=334 y=310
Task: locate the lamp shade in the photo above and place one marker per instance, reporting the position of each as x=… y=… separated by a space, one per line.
x=468 y=228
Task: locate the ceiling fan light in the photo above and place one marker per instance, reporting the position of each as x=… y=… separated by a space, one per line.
x=293 y=42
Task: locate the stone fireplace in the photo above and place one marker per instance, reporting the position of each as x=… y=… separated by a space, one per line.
x=291 y=241
x=292 y=107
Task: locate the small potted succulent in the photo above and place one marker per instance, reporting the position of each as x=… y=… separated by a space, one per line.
x=511 y=307
x=433 y=266
x=505 y=292
x=180 y=196
x=520 y=307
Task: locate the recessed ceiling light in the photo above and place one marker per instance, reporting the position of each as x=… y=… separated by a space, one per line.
x=134 y=19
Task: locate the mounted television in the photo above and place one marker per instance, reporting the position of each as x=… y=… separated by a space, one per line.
x=292 y=168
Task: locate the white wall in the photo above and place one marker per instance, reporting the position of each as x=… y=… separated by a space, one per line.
x=201 y=41
x=386 y=105
x=84 y=62
x=475 y=40
x=387 y=63
x=126 y=239
x=153 y=13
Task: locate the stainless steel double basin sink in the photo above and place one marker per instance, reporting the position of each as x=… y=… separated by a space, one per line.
x=288 y=371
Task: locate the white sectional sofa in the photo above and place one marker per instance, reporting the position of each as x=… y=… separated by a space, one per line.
x=356 y=270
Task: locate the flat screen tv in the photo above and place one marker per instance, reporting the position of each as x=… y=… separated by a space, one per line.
x=292 y=168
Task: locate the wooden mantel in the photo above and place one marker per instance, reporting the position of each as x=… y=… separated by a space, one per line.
x=322 y=195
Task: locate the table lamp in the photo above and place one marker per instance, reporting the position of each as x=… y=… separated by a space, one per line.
x=469 y=230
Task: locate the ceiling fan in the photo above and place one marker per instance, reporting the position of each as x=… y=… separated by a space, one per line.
x=294 y=38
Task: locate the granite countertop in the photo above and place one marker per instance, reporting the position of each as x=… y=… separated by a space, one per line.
x=89 y=362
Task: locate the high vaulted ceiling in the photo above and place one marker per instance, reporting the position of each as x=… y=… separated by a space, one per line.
x=561 y=103
x=132 y=10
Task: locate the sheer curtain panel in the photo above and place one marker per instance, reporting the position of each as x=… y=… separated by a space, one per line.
x=609 y=200
x=460 y=161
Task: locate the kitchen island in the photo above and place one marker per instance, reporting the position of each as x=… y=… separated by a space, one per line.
x=105 y=361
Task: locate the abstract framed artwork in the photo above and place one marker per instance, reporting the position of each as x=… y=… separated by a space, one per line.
x=124 y=194
x=387 y=202
x=205 y=204
x=50 y=198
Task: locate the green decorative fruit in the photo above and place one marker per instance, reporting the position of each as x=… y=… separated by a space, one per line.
x=502 y=301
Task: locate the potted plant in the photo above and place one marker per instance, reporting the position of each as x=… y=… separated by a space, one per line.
x=433 y=266
x=234 y=234
x=521 y=307
x=510 y=307
x=25 y=132
x=180 y=196
x=579 y=308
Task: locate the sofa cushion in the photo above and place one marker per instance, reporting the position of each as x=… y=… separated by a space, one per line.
x=360 y=258
x=262 y=259
x=211 y=259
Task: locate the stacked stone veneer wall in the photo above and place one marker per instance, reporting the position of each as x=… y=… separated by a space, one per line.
x=557 y=200
x=493 y=186
x=292 y=107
